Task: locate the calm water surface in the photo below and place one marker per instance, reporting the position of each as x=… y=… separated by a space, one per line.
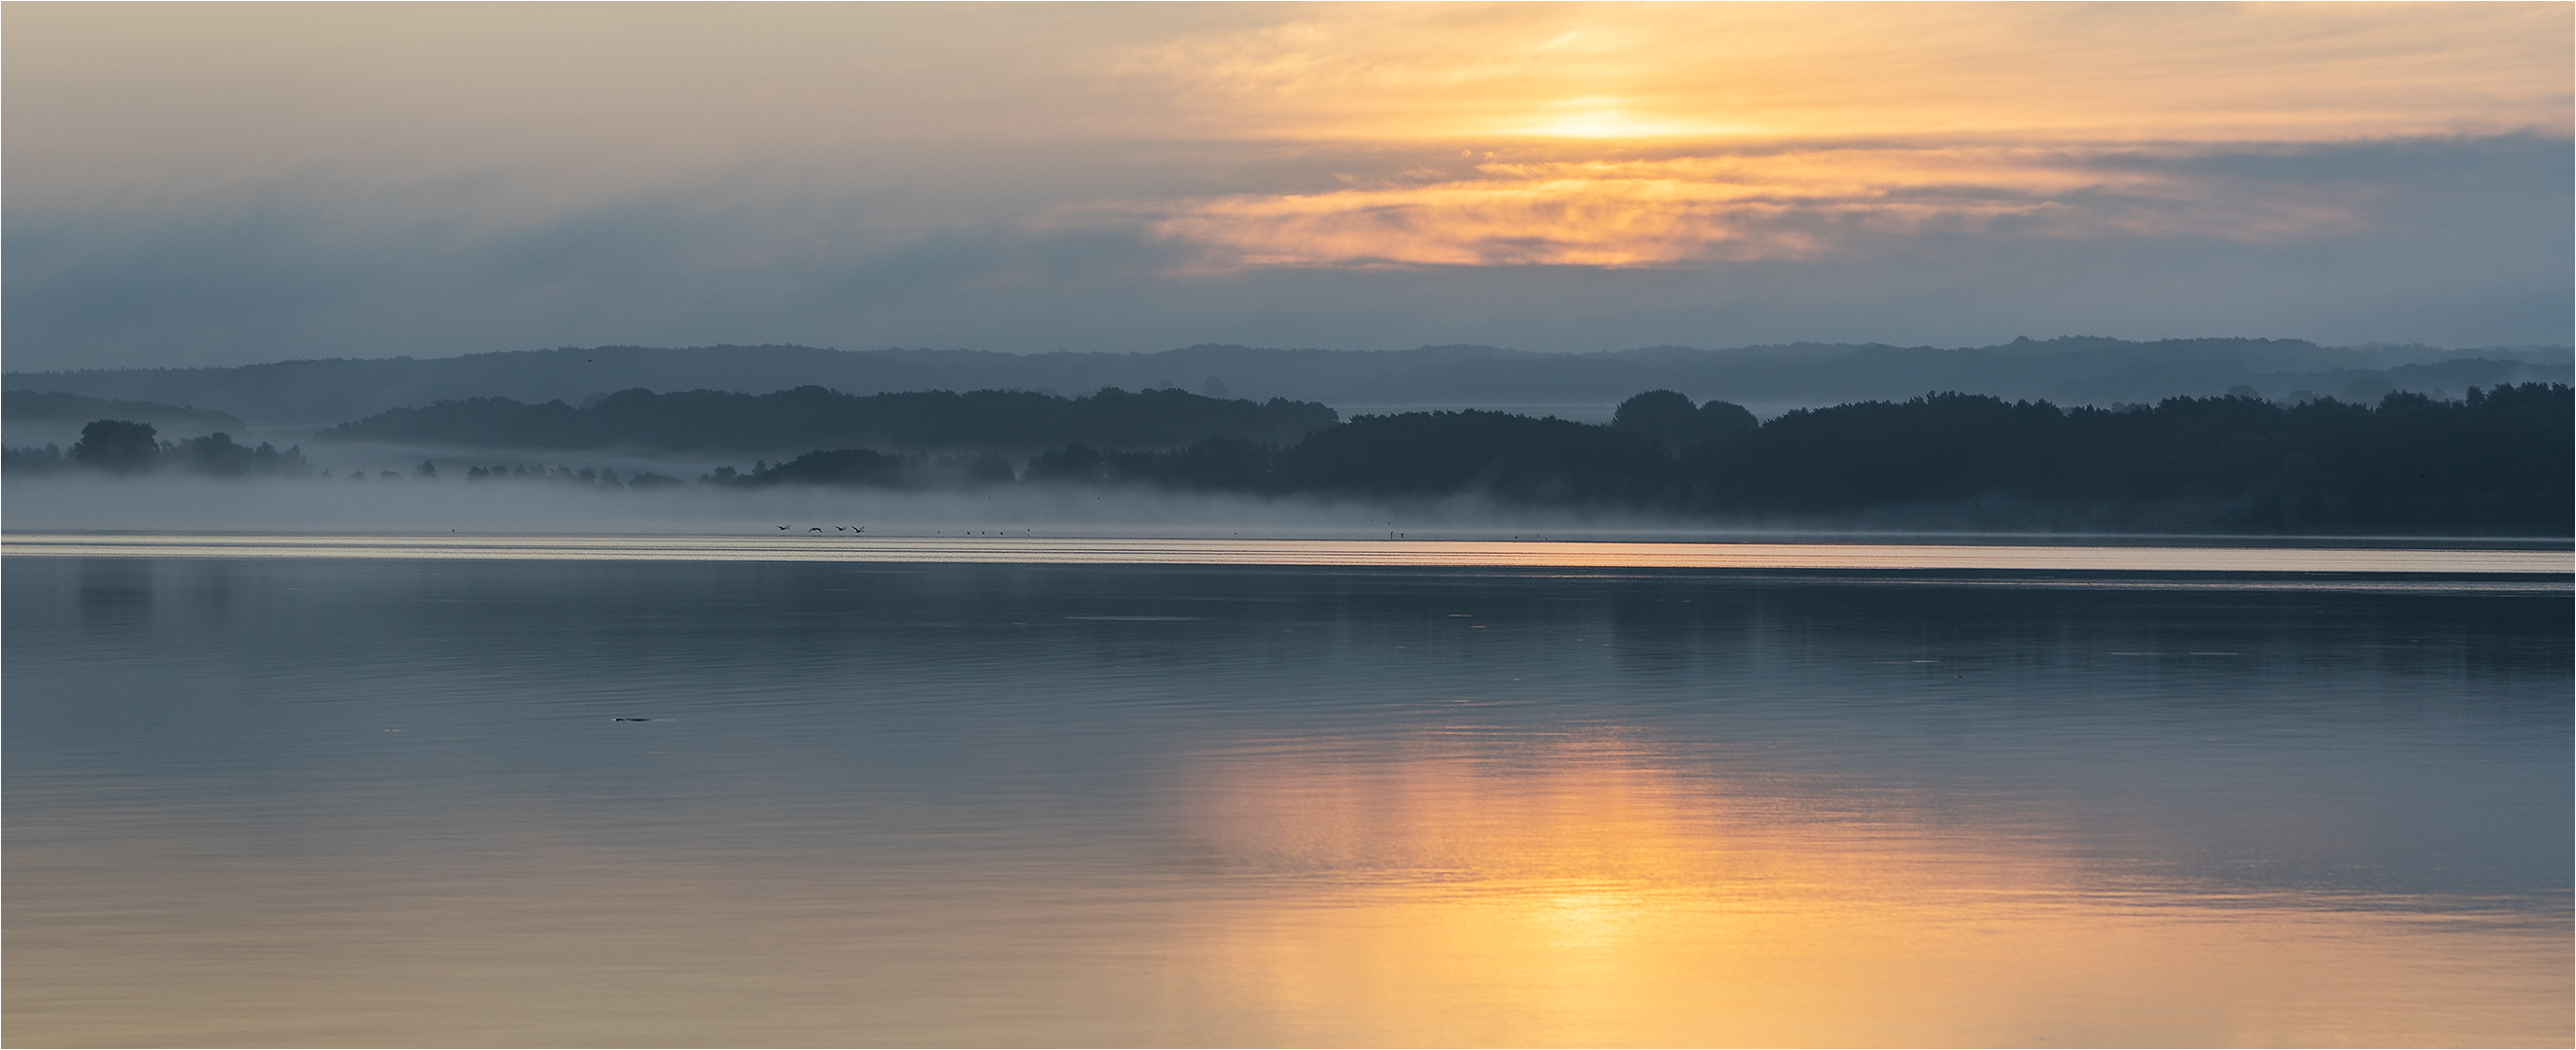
x=302 y=800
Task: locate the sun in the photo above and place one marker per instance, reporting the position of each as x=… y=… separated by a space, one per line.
x=1610 y=118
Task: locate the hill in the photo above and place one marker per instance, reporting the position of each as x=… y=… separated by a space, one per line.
x=28 y=406
x=2068 y=370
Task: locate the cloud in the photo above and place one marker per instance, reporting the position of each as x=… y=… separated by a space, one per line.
x=1787 y=72
x=1697 y=209
x=247 y=183
x=2452 y=242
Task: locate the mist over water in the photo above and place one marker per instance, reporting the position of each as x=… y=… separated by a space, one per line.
x=405 y=505
x=179 y=504
x=1899 y=525
x=428 y=759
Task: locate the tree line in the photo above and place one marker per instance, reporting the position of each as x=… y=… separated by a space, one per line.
x=812 y=416
x=2498 y=461
x=2083 y=370
x=123 y=446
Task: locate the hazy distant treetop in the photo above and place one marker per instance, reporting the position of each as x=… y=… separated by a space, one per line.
x=2067 y=370
x=1664 y=415
x=807 y=417
x=1669 y=418
x=119 y=445
x=2502 y=460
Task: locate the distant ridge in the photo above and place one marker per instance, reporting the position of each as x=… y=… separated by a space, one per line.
x=27 y=406
x=2068 y=370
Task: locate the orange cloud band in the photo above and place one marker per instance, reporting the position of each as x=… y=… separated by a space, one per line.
x=1683 y=210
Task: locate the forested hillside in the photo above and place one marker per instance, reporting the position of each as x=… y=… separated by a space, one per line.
x=2070 y=370
x=2498 y=461
x=2501 y=460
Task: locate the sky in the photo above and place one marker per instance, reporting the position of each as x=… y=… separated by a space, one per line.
x=225 y=184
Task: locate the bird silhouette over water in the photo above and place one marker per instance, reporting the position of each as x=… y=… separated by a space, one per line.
x=782 y=528
x=817 y=528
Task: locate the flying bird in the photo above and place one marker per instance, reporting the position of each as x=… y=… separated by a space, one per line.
x=782 y=528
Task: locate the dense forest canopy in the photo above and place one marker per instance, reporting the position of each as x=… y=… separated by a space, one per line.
x=710 y=420
x=2069 y=370
x=2500 y=461
x=123 y=446
x=1671 y=419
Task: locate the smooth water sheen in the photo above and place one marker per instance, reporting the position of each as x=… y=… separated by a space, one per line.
x=370 y=800
x=2555 y=562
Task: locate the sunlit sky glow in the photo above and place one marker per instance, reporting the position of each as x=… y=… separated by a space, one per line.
x=247 y=182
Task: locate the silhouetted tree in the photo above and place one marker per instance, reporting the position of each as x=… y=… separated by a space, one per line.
x=1668 y=417
x=847 y=466
x=1665 y=416
x=46 y=460
x=1718 y=419
x=218 y=454
x=1070 y=463
x=1515 y=457
x=116 y=445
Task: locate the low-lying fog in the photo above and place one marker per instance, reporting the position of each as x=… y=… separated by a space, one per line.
x=91 y=503
x=181 y=504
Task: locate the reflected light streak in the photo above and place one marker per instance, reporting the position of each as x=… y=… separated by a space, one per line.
x=1451 y=874
x=1455 y=888
x=2550 y=568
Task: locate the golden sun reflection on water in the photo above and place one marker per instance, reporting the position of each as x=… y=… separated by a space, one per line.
x=1439 y=889
x=2554 y=565
x=1601 y=900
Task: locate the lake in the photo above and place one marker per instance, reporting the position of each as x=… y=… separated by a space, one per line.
x=296 y=791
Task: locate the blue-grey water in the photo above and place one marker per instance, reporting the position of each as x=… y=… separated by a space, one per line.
x=394 y=800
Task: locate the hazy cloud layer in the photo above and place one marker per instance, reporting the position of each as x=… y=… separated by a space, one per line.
x=1801 y=204
x=1790 y=72
x=230 y=184
x=81 y=504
